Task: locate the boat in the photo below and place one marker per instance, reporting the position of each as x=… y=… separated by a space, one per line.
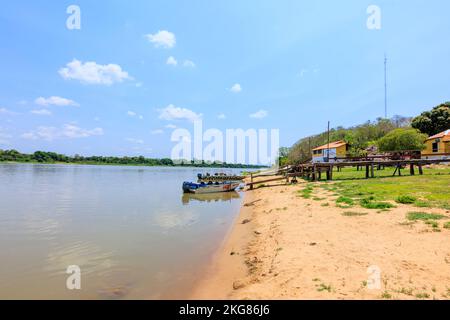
x=219 y=177
x=210 y=187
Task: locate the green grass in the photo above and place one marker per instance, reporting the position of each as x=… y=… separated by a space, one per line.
x=433 y=224
x=307 y=192
x=346 y=200
x=354 y=214
x=414 y=216
x=369 y=203
x=447 y=225
x=428 y=190
x=324 y=287
x=405 y=199
x=422 y=296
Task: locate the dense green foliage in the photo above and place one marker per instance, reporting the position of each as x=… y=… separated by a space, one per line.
x=401 y=140
x=52 y=157
x=359 y=138
x=434 y=121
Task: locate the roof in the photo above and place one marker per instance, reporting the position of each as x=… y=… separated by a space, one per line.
x=444 y=135
x=335 y=144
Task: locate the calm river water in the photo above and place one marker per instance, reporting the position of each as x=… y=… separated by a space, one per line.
x=131 y=231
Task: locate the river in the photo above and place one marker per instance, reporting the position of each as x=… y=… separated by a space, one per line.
x=130 y=230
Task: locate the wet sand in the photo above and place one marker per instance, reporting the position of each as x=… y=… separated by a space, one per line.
x=283 y=246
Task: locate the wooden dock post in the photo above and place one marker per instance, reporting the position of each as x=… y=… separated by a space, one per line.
x=420 y=169
x=411 y=169
x=367 y=171
x=251 y=181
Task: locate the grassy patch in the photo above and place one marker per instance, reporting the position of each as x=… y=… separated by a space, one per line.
x=406 y=291
x=413 y=216
x=429 y=190
x=386 y=295
x=447 y=225
x=405 y=199
x=422 y=204
x=369 y=203
x=422 y=295
x=307 y=192
x=324 y=287
x=432 y=223
x=345 y=200
x=354 y=214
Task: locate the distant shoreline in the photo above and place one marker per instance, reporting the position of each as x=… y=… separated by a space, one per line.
x=129 y=165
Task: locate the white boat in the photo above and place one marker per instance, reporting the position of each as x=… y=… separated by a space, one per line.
x=212 y=187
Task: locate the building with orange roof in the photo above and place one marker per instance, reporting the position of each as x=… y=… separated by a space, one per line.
x=330 y=151
x=437 y=146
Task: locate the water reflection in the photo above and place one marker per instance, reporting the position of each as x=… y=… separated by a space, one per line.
x=187 y=198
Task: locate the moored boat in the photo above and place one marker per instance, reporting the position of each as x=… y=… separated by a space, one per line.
x=211 y=187
x=219 y=177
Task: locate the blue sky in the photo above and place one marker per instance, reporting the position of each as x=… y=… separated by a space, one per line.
x=108 y=88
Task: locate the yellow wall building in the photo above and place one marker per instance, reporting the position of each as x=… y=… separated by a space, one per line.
x=437 y=146
x=337 y=149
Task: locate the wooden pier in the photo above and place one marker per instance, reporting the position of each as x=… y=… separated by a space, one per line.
x=315 y=171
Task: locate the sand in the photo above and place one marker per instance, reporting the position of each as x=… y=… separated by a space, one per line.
x=286 y=247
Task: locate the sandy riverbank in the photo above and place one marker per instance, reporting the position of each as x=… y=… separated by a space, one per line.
x=283 y=246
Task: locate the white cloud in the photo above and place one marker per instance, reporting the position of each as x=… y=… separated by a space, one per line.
x=7 y=112
x=162 y=38
x=189 y=64
x=135 y=115
x=236 y=88
x=41 y=112
x=259 y=114
x=69 y=131
x=93 y=73
x=172 y=61
x=221 y=116
x=175 y=113
x=171 y=126
x=157 y=131
x=55 y=101
x=136 y=141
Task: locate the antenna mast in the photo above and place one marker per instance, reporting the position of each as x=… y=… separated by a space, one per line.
x=385 y=86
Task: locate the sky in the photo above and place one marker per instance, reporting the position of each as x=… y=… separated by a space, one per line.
x=134 y=71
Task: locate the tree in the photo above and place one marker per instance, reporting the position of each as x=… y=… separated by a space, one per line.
x=434 y=121
x=402 y=140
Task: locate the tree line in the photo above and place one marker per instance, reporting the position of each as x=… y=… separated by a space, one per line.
x=53 y=157
x=395 y=134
